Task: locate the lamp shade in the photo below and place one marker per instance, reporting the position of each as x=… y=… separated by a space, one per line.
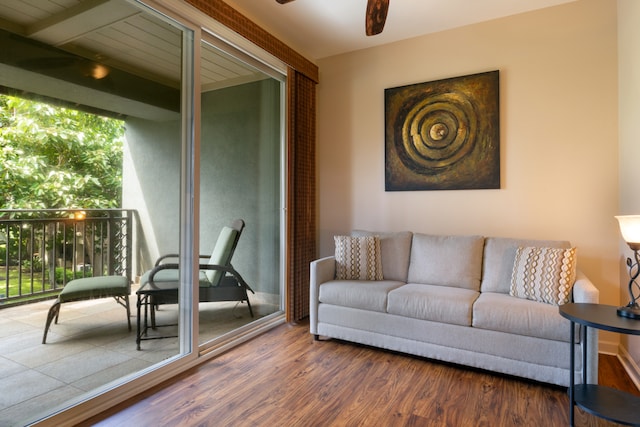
x=630 y=228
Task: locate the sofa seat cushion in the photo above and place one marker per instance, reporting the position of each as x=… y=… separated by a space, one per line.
x=363 y=294
x=504 y=313
x=454 y=261
x=435 y=303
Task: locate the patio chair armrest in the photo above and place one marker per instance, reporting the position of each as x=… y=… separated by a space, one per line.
x=167 y=256
x=154 y=270
x=226 y=269
x=164 y=257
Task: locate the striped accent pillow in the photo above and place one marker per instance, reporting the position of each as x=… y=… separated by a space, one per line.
x=544 y=274
x=358 y=258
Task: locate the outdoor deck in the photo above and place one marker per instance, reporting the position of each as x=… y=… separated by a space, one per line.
x=89 y=347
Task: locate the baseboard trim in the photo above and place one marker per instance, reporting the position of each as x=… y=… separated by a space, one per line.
x=630 y=366
x=608 y=347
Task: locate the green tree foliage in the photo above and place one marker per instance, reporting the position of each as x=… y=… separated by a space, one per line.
x=53 y=157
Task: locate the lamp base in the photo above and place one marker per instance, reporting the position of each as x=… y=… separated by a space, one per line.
x=631 y=312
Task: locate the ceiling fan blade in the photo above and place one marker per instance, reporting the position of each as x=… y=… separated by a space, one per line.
x=376 y=16
x=284 y=1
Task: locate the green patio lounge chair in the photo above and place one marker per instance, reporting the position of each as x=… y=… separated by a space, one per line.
x=118 y=287
x=219 y=281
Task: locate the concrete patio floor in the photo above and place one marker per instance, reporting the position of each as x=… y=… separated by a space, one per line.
x=89 y=347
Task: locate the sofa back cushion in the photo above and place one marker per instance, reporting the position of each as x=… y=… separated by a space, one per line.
x=395 y=248
x=499 y=258
x=446 y=260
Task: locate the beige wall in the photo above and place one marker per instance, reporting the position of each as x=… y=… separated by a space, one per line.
x=559 y=133
x=629 y=104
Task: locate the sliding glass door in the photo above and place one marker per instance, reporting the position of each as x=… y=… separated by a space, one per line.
x=202 y=155
x=241 y=169
x=105 y=60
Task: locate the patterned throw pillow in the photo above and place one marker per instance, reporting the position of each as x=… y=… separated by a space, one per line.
x=358 y=258
x=544 y=274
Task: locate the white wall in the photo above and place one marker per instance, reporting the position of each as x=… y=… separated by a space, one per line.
x=559 y=133
x=629 y=104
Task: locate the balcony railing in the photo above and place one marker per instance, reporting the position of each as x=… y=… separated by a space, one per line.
x=42 y=250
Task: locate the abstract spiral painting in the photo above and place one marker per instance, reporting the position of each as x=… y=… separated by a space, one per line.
x=443 y=135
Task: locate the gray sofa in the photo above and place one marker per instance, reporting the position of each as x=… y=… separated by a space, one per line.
x=448 y=298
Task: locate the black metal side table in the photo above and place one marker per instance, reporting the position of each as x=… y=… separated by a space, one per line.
x=605 y=402
x=146 y=294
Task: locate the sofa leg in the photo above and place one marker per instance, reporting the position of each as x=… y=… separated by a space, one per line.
x=316 y=337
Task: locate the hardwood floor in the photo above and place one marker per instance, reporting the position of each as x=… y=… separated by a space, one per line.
x=284 y=378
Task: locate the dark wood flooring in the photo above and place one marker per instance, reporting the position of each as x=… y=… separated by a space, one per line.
x=284 y=378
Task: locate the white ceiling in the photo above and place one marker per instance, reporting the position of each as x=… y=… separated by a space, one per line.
x=321 y=28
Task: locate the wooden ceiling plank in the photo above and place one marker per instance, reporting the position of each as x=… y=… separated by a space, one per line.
x=75 y=22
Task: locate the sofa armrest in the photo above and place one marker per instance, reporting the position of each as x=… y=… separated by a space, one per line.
x=321 y=270
x=584 y=290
